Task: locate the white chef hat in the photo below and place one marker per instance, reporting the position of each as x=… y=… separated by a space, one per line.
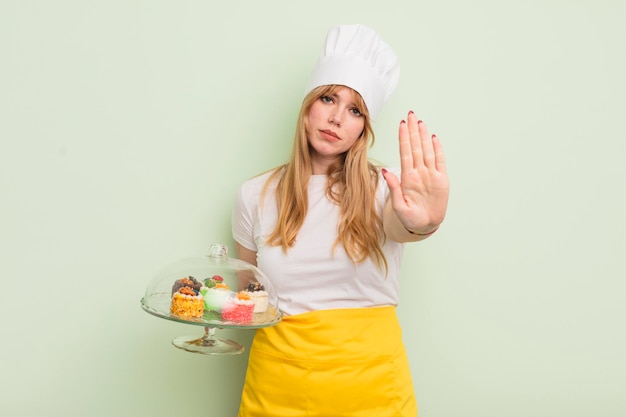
x=356 y=56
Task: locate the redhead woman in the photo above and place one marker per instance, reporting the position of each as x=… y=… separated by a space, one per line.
x=328 y=228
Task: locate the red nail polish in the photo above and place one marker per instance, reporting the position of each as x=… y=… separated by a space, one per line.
x=403 y=121
x=433 y=136
x=411 y=112
x=384 y=171
x=419 y=121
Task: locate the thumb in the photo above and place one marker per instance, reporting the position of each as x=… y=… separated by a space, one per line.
x=394 y=188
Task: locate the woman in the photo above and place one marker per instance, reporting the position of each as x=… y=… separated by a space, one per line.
x=328 y=228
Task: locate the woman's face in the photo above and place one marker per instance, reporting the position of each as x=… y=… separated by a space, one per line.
x=334 y=124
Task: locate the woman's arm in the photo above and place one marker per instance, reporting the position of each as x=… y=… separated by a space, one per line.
x=245 y=254
x=419 y=199
x=395 y=230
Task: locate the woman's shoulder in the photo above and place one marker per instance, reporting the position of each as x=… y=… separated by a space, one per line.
x=254 y=185
x=262 y=177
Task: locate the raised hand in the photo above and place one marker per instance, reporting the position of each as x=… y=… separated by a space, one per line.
x=420 y=198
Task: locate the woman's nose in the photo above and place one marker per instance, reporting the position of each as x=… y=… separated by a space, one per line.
x=335 y=118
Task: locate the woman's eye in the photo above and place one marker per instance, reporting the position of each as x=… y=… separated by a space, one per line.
x=326 y=99
x=356 y=112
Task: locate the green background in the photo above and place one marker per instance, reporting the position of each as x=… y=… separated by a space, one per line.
x=126 y=127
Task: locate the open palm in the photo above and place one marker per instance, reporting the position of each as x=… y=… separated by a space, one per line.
x=420 y=197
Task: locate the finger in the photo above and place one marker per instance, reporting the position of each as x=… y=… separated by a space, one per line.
x=428 y=151
x=406 y=157
x=440 y=159
x=414 y=137
x=397 y=197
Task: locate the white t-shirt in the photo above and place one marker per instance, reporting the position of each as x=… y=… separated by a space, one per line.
x=310 y=276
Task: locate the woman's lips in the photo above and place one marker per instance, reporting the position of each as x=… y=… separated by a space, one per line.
x=330 y=135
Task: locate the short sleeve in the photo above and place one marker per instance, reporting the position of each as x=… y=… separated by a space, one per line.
x=243 y=218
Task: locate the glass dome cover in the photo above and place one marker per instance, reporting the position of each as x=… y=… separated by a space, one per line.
x=213 y=291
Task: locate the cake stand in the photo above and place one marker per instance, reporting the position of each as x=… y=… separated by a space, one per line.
x=236 y=275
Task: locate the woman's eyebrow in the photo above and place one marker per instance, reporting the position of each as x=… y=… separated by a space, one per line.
x=349 y=102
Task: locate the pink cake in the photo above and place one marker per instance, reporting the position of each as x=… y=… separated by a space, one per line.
x=239 y=309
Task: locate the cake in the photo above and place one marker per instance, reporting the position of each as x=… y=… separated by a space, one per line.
x=213 y=281
x=257 y=293
x=215 y=293
x=239 y=308
x=189 y=281
x=187 y=303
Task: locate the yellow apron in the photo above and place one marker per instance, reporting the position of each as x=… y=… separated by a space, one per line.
x=330 y=363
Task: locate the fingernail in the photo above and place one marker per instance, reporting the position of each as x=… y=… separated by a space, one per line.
x=411 y=112
x=403 y=121
x=384 y=171
x=433 y=136
x=419 y=121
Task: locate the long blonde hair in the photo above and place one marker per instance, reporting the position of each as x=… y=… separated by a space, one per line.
x=352 y=182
